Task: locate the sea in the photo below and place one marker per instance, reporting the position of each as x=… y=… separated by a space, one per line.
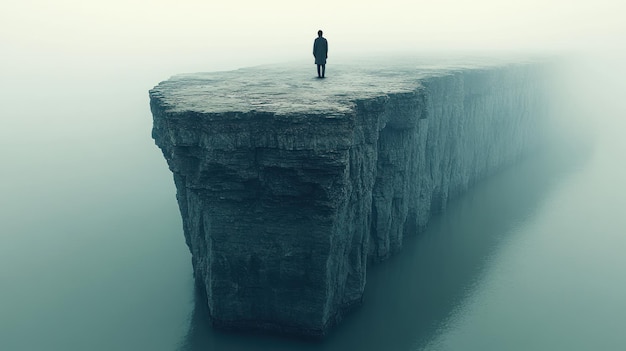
x=92 y=253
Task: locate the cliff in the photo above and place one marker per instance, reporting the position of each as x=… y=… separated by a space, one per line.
x=289 y=185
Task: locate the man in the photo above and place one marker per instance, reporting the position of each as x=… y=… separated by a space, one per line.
x=320 y=52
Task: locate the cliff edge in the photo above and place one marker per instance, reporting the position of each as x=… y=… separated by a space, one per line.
x=289 y=185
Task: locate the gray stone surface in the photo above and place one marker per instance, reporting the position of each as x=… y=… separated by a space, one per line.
x=288 y=185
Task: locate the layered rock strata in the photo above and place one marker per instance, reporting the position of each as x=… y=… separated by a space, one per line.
x=289 y=185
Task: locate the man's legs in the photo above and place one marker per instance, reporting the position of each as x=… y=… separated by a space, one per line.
x=319 y=75
x=323 y=71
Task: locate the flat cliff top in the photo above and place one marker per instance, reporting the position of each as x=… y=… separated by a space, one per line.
x=294 y=88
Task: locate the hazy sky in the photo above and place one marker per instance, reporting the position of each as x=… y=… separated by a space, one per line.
x=246 y=31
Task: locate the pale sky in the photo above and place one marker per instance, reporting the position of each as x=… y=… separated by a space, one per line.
x=248 y=32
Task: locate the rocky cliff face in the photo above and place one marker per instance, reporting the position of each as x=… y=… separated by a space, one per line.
x=288 y=185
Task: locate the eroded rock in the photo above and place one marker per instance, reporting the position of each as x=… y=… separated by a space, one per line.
x=288 y=185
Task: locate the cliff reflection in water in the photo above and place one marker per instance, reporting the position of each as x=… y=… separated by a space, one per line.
x=410 y=297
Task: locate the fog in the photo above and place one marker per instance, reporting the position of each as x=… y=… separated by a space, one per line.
x=201 y=35
x=92 y=254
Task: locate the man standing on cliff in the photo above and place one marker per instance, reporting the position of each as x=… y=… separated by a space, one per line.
x=320 y=51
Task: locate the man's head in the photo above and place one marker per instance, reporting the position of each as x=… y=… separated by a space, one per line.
x=319 y=33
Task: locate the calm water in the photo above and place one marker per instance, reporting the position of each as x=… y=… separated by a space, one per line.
x=92 y=255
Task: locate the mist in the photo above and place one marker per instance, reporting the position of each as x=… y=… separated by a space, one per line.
x=92 y=254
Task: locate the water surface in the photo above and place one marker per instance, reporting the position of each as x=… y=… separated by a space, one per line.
x=92 y=255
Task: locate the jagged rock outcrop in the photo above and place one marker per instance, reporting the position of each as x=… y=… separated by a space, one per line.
x=289 y=185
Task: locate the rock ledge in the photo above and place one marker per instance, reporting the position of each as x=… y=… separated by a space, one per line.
x=288 y=185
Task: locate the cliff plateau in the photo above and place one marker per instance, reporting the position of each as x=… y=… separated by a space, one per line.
x=288 y=185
